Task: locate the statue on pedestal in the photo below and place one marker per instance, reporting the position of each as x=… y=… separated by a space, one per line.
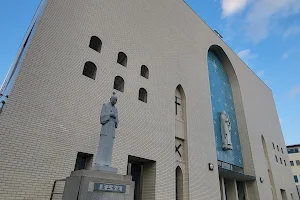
x=225 y=131
x=102 y=182
x=109 y=121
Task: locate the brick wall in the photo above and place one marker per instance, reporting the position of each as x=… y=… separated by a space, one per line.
x=53 y=110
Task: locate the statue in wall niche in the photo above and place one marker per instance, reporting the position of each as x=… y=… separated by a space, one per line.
x=109 y=121
x=225 y=131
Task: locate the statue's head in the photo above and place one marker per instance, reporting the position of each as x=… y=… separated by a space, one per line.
x=223 y=112
x=113 y=99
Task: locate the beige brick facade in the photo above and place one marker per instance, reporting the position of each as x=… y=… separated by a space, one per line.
x=53 y=110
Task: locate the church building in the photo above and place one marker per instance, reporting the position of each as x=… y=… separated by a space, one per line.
x=195 y=123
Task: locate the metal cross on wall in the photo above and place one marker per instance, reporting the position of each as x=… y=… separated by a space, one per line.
x=177 y=149
x=177 y=103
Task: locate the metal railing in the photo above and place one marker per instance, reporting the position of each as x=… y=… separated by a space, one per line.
x=57 y=191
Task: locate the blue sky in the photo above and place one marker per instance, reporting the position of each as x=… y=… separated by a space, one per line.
x=264 y=33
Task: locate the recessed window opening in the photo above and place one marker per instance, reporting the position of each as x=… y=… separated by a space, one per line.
x=143 y=95
x=179 y=184
x=290 y=151
x=95 y=43
x=83 y=161
x=277 y=147
x=90 y=70
x=280 y=161
x=276 y=158
x=282 y=151
x=292 y=163
x=144 y=72
x=119 y=83
x=122 y=59
x=143 y=172
x=297 y=162
x=296 y=179
x=284 y=163
x=273 y=145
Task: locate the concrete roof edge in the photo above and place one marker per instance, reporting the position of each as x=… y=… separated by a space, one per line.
x=292 y=145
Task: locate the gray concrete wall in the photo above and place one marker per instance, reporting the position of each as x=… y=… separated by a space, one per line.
x=53 y=110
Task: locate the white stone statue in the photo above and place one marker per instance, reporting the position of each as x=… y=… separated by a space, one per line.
x=109 y=121
x=225 y=131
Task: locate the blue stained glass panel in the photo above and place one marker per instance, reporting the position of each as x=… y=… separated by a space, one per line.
x=222 y=99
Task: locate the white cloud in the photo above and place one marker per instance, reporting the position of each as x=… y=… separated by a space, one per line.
x=263 y=12
x=231 y=7
x=286 y=54
x=246 y=55
x=294 y=91
x=260 y=73
x=293 y=30
x=260 y=16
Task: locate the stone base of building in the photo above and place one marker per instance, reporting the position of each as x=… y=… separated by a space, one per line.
x=98 y=185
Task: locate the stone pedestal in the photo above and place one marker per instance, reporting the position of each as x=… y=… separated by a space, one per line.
x=105 y=169
x=98 y=185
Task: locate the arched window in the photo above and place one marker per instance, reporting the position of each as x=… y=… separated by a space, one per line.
x=122 y=59
x=95 y=43
x=179 y=184
x=180 y=113
x=119 y=83
x=90 y=70
x=144 y=71
x=143 y=95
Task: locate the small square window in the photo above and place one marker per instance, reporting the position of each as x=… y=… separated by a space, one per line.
x=292 y=163
x=144 y=72
x=297 y=162
x=143 y=95
x=290 y=151
x=90 y=70
x=122 y=59
x=119 y=83
x=296 y=179
x=83 y=161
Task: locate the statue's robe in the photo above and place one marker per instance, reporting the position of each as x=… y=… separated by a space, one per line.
x=226 y=132
x=107 y=134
